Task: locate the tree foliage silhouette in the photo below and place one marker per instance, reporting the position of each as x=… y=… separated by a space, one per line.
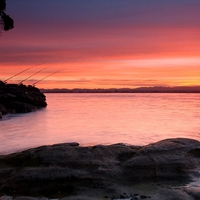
x=6 y=22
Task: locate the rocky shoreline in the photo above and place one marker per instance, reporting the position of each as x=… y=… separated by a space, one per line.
x=168 y=169
x=16 y=98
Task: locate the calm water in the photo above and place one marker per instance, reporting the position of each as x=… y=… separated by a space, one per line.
x=103 y=119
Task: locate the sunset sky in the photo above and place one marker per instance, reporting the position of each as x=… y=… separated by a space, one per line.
x=102 y=43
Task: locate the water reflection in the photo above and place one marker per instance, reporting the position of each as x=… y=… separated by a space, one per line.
x=103 y=118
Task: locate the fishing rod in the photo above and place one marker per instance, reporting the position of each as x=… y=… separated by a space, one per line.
x=46 y=77
x=32 y=75
x=17 y=74
x=21 y=72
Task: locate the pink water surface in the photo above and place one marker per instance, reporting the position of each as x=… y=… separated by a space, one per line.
x=91 y=119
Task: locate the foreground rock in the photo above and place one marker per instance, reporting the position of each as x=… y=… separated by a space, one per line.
x=68 y=170
x=20 y=98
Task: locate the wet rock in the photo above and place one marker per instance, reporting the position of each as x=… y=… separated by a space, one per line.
x=3 y=109
x=167 y=194
x=66 y=169
x=18 y=107
x=6 y=198
x=194 y=191
x=20 y=98
x=167 y=159
x=29 y=198
x=82 y=197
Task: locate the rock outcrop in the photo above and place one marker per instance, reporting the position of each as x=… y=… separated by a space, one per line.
x=67 y=169
x=20 y=98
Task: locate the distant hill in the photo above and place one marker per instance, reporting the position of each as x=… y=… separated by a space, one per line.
x=178 y=89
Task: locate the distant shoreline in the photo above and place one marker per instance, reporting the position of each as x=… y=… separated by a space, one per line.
x=179 y=89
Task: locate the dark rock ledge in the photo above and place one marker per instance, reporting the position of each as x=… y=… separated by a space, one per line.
x=164 y=170
x=20 y=98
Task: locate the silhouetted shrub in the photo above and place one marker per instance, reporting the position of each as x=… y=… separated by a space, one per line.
x=6 y=22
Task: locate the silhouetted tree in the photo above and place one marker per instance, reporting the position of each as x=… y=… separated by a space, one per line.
x=6 y=22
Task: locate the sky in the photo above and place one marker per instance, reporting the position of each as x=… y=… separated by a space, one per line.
x=102 y=44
